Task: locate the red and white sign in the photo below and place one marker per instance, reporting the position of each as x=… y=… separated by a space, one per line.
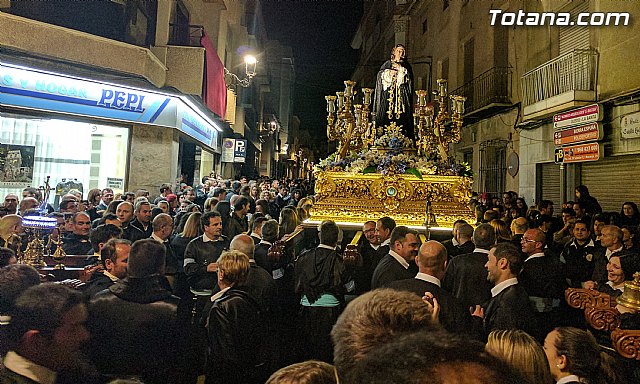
x=579 y=153
x=588 y=114
x=580 y=134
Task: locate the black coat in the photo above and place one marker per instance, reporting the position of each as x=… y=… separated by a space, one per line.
x=196 y=258
x=466 y=279
x=579 y=261
x=73 y=244
x=510 y=309
x=370 y=258
x=145 y=232
x=389 y=269
x=236 y=343
x=135 y=330
x=261 y=286
x=98 y=283
x=453 y=316
x=319 y=271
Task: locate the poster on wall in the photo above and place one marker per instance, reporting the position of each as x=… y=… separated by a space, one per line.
x=16 y=165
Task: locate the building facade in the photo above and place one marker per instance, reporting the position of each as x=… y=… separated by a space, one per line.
x=129 y=94
x=516 y=78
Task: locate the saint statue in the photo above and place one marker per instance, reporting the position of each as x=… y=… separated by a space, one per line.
x=393 y=99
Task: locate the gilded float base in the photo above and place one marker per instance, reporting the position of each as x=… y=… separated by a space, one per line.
x=356 y=198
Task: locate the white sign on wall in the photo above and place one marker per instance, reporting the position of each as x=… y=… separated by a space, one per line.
x=630 y=126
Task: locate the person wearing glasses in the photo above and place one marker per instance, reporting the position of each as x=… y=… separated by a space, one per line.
x=542 y=276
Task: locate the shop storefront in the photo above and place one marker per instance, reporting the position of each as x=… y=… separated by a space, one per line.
x=96 y=134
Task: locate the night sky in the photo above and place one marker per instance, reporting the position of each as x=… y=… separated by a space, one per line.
x=320 y=34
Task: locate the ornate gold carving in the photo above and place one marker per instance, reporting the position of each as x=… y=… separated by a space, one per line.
x=627 y=342
x=346 y=197
x=599 y=308
x=391 y=191
x=602 y=318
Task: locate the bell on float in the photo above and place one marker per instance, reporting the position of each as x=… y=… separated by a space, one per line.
x=630 y=298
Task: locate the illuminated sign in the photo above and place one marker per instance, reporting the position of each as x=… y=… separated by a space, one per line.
x=579 y=134
x=34 y=89
x=579 y=153
x=588 y=114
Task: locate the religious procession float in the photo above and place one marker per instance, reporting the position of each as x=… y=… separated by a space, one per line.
x=377 y=170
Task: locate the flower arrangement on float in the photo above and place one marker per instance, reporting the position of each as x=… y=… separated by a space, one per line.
x=392 y=153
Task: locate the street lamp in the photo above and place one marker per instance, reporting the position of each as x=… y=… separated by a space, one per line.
x=250 y=64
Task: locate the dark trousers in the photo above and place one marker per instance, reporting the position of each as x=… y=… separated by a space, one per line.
x=316 y=324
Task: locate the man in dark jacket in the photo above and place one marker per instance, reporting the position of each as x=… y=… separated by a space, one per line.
x=135 y=328
x=77 y=242
x=320 y=279
x=236 y=337
x=200 y=259
x=466 y=276
x=115 y=257
x=238 y=222
x=399 y=263
x=509 y=306
x=432 y=261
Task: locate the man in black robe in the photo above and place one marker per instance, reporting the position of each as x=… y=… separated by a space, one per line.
x=399 y=263
x=466 y=276
x=393 y=99
x=432 y=261
x=509 y=306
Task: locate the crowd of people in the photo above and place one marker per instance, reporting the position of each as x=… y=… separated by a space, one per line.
x=222 y=282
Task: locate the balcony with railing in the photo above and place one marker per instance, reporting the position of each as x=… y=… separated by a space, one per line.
x=185 y=35
x=567 y=81
x=487 y=92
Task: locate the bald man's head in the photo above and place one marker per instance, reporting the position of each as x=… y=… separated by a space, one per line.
x=243 y=243
x=432 y=258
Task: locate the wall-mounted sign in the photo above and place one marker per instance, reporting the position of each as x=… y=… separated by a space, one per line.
x=579 y=153
x=228 y=147
x=35 y=89
x=579 y=134
x=115 y=183
x=630 y=126
x=588 y=114
x=240 y=151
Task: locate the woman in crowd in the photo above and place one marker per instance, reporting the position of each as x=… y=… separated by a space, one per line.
x=503 y=235
x=619 y=270
x=521 y=352
x=575 y=357
x=210 y=203
x=255 y=192
x=629 y=239
x=591 y=205
x=191 y=230
x=521 y=207
x=629 y=215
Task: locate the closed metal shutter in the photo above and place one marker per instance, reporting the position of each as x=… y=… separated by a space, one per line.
x=613 y=180
x=548 y=183
x=574 y=36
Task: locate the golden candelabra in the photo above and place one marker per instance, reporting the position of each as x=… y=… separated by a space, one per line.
x=435 y=135
x=350 y=123
x=36 y=228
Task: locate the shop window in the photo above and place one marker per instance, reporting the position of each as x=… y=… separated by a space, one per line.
x=62 y=149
